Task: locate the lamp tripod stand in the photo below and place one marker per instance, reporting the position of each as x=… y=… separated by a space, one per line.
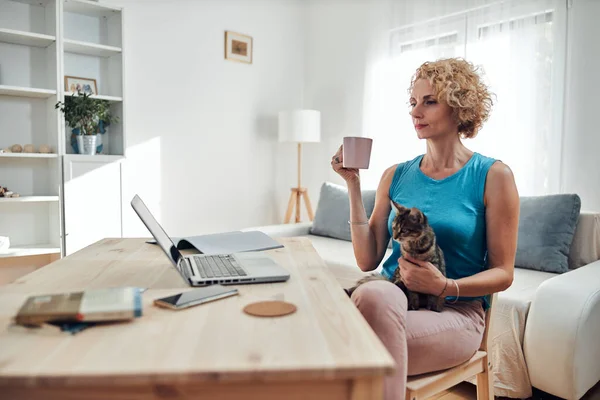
x=297 y=194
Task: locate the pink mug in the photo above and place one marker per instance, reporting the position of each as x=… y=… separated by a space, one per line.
x=357 y=152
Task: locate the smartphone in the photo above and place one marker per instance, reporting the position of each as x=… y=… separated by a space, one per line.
x=194 y=297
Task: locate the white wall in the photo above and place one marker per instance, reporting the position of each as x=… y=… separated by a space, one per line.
x=202 y=146
x=336 y=45
x=581 y=144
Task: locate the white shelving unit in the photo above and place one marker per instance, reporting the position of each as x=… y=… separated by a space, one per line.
x=104 y=158
x=27 y=155
x=29 y=77
x=90 y=49
x=93 y=48
x=19 y=91
x=33 y=250
x=41 y=42
x=26 y=38
x=112 y=99
x=91 y=9
x=29 y=199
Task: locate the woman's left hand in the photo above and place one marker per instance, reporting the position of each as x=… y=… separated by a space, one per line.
x=421 y=276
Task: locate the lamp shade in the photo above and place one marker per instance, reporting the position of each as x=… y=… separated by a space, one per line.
x=300 y=126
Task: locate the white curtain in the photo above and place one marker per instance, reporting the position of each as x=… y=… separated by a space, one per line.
x=520 y=46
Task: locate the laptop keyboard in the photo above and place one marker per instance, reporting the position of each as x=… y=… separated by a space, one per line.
x=218 y=266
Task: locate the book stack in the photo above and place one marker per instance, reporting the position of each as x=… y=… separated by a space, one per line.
x=81 y=309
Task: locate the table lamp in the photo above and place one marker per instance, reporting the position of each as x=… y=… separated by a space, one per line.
x=300 y=126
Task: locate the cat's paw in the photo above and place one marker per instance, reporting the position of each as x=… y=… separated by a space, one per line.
x=413 y=305
x=369 y=278
x=363 y=280
x=413 y=301
x=435 y=303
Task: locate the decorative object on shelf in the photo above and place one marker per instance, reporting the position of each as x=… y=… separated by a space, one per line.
x=75 y=133
x=300 y=126
x=16 y=148
x=88 y=118
x=101 y=130
x=238 y=47
x=5 y=150
x=46 y=149
x=75 y=84
x=29 y=148
x=87 y=144
x=4 y=192
x=4 y=244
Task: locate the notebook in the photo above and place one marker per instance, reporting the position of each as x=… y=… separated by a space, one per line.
x=226 y=242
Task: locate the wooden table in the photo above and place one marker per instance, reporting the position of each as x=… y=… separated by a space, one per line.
x=325 y=350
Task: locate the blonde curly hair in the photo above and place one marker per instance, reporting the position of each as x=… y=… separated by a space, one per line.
x=457 y=83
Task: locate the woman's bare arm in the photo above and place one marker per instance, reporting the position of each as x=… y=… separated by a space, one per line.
x=502 y=224
x=370 y=240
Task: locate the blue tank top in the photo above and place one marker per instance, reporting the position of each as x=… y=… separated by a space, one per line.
x=455 y=210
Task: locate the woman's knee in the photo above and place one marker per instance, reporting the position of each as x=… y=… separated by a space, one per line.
x=377 y=299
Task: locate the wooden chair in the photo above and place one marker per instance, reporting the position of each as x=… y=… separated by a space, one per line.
x=427 y=385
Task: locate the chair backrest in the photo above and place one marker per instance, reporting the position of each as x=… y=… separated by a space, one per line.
x=486 y=341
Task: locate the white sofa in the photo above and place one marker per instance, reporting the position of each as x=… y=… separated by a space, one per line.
x=546 y=331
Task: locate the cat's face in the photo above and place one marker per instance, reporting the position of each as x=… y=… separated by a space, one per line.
x=408 y=224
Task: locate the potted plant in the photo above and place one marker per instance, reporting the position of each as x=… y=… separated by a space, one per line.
x=87 y=118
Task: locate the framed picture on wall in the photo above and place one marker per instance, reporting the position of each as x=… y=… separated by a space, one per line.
x=238 y=47
x=75 y=84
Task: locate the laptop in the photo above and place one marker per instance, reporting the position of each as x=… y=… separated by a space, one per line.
x=204 y=269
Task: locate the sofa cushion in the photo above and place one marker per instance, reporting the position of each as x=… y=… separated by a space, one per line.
x=334 y=251
x=546 y=228
x=338 y=252
x=585 y=248
x=333 y=211
x=339 y=257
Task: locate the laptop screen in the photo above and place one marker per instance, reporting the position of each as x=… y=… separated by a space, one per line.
x=163 y=240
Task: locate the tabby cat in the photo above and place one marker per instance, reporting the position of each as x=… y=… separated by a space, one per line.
x=417 y=240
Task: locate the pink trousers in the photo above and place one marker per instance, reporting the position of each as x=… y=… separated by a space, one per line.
x=419 y=341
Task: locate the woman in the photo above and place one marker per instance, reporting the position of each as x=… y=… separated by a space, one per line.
x=472 y=204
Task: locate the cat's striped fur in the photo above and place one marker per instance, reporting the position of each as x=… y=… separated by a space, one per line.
x=416 y=237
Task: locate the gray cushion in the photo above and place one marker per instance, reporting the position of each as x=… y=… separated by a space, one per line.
x=333 y=211
x=546 y=228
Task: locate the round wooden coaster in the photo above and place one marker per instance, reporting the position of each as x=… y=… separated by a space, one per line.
x=273 y=308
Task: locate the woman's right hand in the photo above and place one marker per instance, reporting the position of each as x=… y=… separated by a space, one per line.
x=337 y=162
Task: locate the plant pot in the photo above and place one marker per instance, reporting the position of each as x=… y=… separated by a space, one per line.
x=87 y=144
x=101 y=141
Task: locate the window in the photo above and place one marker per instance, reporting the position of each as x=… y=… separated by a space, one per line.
x=520 y=47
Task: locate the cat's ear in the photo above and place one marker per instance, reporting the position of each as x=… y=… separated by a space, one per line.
x=417 y=215
x=398 y=207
